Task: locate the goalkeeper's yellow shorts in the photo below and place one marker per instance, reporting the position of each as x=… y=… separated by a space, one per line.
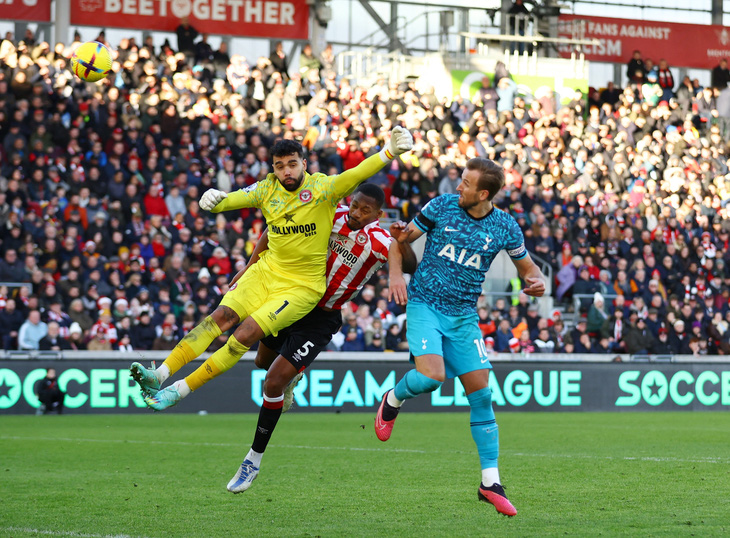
x=273 y=300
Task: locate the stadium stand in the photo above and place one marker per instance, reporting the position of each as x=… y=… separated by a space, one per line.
x=623 y=194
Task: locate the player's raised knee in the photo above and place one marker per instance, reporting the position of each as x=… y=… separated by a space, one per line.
x=435 y=372
x=434 y=383
x=275 y=383
x=278 y=377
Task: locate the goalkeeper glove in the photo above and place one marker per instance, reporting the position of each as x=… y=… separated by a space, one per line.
x=211 y=198
x=400 y=142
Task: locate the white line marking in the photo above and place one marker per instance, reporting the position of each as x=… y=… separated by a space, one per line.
x=62 y=533
x=186 y=443
x=368 y=449
x=622 y=458
x=355 y=448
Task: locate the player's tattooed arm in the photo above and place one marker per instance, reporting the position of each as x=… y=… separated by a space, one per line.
x=263 y=244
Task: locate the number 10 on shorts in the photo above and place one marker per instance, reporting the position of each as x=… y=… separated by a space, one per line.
x=482 y=349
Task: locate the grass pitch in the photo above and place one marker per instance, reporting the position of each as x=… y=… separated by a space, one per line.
x=630 y=474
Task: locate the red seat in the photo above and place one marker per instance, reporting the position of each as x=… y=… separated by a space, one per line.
x=387 y=191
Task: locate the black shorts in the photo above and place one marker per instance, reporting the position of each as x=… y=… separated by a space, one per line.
x=301 y=342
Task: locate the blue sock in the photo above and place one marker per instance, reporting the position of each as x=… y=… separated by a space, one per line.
x=484 y=427
x=414 y=383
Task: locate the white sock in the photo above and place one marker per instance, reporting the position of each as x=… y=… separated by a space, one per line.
x=254 y=457
x=162 y=373
x=392 y=400
x=182 y=387
x=490 y=476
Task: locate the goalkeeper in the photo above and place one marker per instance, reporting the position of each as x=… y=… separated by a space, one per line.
x=289 y=279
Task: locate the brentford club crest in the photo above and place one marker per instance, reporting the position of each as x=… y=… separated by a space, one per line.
x=305 y=196
x=361 y=239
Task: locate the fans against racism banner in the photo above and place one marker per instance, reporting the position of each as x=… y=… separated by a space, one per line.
x=249 y=18
x=25 y=10
x=619 y=38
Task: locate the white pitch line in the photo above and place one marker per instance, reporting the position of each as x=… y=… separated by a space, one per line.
x=354 y=448
x=132 y=441
x=368 y=449
x=621 y=458
x=187 y=443
x=73 y=534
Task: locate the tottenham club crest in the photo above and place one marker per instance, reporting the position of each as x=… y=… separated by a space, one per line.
x=361 y=238
x=305 y=196
x=487 y=241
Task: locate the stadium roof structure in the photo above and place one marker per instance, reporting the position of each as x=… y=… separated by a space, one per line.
x=411 y=26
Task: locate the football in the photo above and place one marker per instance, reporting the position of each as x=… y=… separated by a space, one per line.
x=91 y=61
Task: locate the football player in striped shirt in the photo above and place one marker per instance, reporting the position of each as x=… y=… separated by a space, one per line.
x=286 y=283
x=465 y=232
x=358 y=247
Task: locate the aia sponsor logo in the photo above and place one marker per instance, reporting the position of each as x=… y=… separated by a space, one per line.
x=462 y=258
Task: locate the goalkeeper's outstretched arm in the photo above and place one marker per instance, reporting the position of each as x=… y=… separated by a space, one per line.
x=400 y=142
x=216 y=201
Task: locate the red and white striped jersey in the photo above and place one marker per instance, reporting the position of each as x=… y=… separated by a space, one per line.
x=353 y=257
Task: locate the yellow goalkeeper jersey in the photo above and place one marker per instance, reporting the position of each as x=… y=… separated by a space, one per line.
x=300 y=221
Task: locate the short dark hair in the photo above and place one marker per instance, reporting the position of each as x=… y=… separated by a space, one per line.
x=491 y=175
x=287 y=147
x=372 y=191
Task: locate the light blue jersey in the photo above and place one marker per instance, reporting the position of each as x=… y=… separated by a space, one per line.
x=459 y=251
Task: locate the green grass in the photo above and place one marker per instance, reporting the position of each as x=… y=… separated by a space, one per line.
x=631 y=474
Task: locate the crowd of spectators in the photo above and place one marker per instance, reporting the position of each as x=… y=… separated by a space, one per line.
x=623 y=192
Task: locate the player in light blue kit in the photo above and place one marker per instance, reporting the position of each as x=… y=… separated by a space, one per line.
x=465 y=233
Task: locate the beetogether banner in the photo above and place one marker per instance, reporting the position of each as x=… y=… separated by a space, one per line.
x=283 y=19
x=105 y=387
x=25 y=10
